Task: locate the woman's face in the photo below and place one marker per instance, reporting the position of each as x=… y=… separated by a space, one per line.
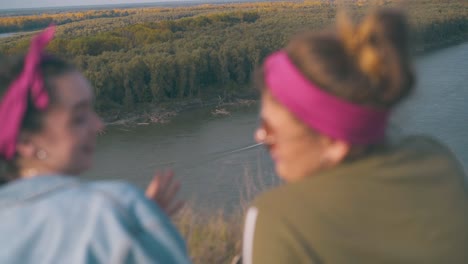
x=296 y=150
x=70 y=127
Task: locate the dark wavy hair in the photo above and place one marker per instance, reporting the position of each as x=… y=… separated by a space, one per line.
x=10 y=68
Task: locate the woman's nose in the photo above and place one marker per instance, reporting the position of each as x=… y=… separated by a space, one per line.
x=260 y=135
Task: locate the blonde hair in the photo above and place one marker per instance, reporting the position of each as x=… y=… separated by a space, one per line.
x=366 y=63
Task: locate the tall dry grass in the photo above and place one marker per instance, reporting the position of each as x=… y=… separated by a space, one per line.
x=216 y=237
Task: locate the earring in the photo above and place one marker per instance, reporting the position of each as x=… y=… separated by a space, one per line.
x=41 y=154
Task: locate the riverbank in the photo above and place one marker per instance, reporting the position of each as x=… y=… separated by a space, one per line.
x=162 y=113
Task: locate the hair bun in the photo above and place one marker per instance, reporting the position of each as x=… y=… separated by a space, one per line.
x=375 y=41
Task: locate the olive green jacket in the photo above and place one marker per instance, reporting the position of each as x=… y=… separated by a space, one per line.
x=404 y=204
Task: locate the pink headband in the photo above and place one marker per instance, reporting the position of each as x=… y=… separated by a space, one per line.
x=29 y=84
x=320 y=110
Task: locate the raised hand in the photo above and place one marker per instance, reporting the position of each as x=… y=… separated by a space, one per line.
x=163 y=190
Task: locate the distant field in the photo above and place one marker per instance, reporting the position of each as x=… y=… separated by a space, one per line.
x=147 y=55
x=69 y=9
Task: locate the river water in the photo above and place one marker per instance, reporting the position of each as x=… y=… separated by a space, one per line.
x=6 y=35
x=201 y=148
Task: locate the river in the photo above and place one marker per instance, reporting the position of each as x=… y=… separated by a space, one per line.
x=197 y=144
x=6 y=35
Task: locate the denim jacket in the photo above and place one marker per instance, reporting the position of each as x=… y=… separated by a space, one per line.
x=60 y=219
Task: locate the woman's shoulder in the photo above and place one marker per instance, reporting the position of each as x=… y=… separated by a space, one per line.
x=423 y=142
x=116 y=191
x=424 y=148
x=83 y=214
x=410 y=154
x=144 y=216
x=277 y=200
x=60 y=196
x=106 y=192
x=124 y=198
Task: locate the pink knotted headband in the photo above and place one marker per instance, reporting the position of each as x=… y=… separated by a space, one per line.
x=28 y=85
x=328 y=114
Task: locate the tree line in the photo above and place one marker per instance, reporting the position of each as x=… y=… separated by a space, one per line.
x=206 y=51
x=33 y=22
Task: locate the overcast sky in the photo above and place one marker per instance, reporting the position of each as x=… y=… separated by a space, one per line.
x=9 y=4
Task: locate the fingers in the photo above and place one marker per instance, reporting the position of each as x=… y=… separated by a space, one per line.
x=158 y=184
x=170 y=192
x=163 y=190
x=152 y=188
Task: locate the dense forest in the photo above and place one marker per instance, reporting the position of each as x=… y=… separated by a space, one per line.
x=135 y=56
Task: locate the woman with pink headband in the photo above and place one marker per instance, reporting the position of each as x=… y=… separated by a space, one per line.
x=48 y=131
x=351 y=196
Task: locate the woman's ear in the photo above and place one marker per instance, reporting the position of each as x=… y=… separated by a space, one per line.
x=336 y=151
